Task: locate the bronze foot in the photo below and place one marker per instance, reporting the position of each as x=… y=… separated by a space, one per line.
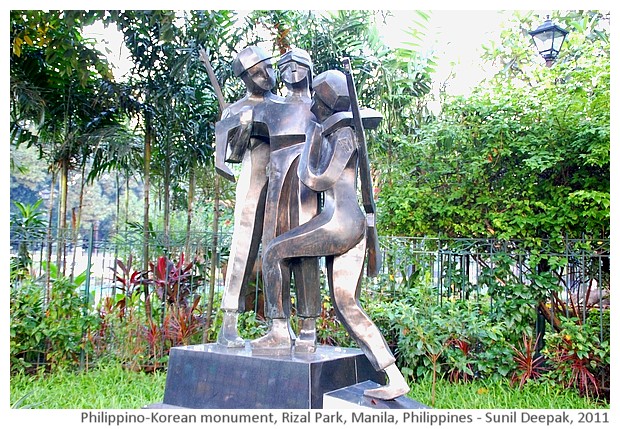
x=306 y=342
x=396 y=387
x=278 y=337
x=228 y=335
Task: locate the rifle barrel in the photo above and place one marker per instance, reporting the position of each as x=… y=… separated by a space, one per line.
x=364 y=164
x=216 y=85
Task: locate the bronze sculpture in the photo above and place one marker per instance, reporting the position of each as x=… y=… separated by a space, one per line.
x=293 y=149
x=270 y=198
x=289 y=203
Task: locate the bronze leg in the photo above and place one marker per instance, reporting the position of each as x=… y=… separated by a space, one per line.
x=344 y=276
x=249 y=209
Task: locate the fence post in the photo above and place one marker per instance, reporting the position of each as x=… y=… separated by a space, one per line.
x=540 y=331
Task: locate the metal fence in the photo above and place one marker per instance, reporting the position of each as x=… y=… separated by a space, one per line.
x=577 y=269
x=97 y=256
x=569 y=277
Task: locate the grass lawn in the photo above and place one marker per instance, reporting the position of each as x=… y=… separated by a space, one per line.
x=109 y=386
x=500 y=395
x=105 y=387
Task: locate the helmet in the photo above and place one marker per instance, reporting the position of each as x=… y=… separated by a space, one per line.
x=249 y=57
x=331 y=88
x=298 y=55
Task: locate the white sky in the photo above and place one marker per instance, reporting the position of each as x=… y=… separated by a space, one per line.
x=454 y=36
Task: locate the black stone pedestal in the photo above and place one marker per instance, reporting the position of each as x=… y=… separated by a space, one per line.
x=214 y=376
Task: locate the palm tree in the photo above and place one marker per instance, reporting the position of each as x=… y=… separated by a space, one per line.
x=54 y=100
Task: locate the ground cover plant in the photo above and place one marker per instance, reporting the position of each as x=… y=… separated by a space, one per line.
x=104 y=386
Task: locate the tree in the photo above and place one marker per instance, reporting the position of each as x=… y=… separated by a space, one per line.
x=526 y=155
x=56 y=104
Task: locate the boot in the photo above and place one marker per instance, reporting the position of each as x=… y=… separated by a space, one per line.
x=277 y=339
x=306 y=342
x=396 y=387
x=228 y=335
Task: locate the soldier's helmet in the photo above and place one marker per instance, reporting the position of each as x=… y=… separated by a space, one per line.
x=249 y=57
x=331 y=88
x=298 y=55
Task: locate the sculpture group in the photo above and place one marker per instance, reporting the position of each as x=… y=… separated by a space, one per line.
x=296 y=196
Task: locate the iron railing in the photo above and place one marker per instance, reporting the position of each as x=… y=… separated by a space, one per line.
x=456 y=268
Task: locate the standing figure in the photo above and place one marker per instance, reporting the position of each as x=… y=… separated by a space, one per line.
x=236 y=142
x=329 y=165
x=289 y=203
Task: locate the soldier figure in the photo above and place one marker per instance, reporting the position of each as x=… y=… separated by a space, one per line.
x=329 y=165
x=289 y=203
x=235 y=142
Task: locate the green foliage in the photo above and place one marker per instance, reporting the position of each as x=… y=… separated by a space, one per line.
x=513 y=159
x=57 y=35
x=27 y=225
x=27 y=322
x=51 y=332
x=455 y=339
x=516 y=299
x=66 y=320
x=577 y=356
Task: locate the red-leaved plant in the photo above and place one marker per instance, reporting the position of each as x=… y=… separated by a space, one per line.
x=529 y=366
x=173 y=282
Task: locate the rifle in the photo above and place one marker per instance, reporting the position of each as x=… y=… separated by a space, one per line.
x=368 y=201
x=220 y=137
x=204 y=58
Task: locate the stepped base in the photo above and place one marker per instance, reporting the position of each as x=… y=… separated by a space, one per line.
x=212 y=376
x=352 y=397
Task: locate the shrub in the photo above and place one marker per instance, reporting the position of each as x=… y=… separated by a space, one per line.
x=26 y=325
x=53 y=333
x=577 y=355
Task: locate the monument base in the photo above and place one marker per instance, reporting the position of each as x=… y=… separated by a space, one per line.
x=212 y=376
x=352 y=397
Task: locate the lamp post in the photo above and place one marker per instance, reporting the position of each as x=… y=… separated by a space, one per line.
x=548 y=38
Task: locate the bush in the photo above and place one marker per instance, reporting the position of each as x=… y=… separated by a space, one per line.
x=578 y=357
x=26 y=326
x=53 y=333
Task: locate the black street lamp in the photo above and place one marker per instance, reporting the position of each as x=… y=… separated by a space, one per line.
x=548 y=38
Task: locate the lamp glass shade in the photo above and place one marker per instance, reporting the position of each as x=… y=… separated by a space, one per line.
x=548 y=39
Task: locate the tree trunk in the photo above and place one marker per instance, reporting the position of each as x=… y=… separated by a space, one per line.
x=49 y=239
x=126 y=199
x=148 y=136
x=167 y=195
x=117 y=227
x=117 y=222
x=62 y=216
x=190 y=207
x=214 y=245
x=77 y=219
